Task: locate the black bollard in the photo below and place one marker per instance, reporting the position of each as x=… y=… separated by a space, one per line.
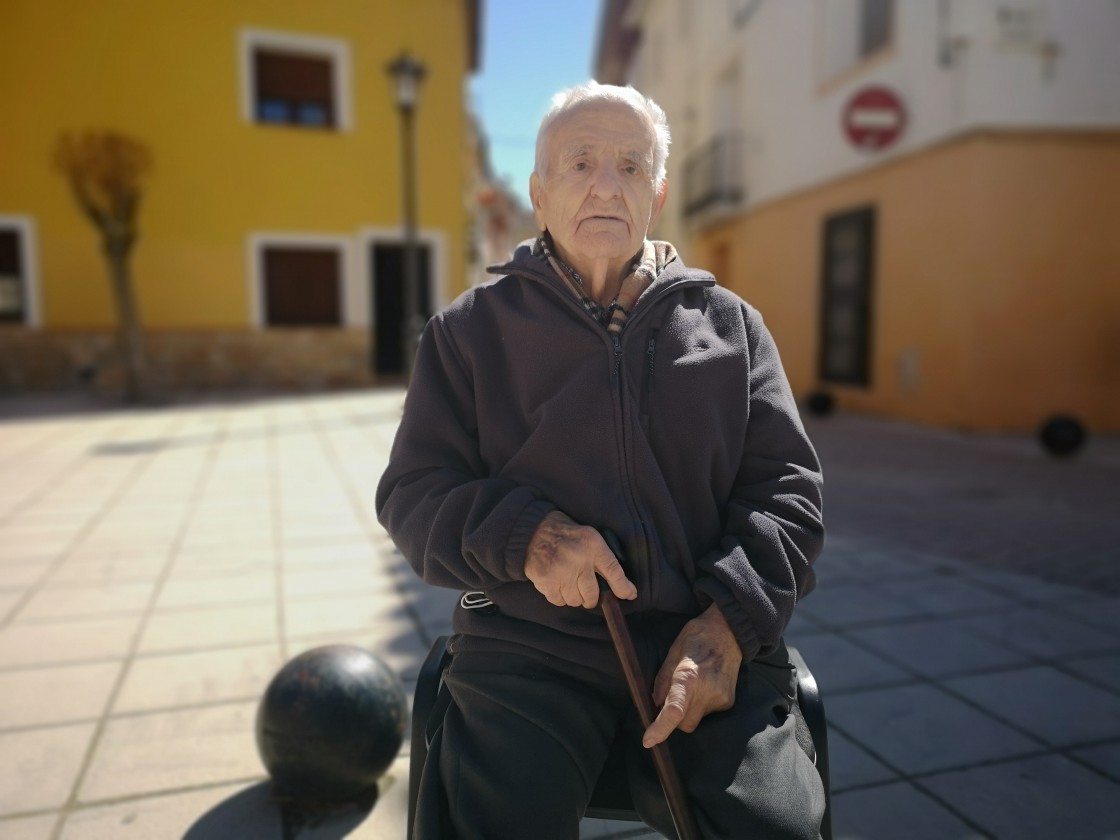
x=1062 y=435
x=329 y=725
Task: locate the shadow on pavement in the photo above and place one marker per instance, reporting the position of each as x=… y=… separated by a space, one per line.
x=253 y=814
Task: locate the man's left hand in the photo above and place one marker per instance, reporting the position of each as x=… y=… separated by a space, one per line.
x=698 y=676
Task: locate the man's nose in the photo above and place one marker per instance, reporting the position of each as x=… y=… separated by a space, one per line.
x=607 y=183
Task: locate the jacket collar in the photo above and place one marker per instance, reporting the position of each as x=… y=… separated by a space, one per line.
x=526 y=264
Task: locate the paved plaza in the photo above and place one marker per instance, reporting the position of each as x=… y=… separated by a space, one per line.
x=158 y=565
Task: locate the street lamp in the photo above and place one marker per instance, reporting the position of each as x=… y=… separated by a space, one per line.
x=407 y=74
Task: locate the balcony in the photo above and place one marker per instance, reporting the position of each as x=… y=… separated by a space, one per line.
x=713 y=176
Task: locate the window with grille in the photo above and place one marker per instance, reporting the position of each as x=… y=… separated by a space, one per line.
x=293 y=79
x=302 y=286
x=293 y=89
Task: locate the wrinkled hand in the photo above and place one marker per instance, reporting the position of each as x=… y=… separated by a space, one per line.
x=563 y=558
x=698 y=676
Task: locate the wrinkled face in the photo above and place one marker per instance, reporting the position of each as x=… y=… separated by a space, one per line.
x=598 y=198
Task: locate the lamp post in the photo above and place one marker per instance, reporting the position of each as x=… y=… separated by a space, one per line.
x=407 y=74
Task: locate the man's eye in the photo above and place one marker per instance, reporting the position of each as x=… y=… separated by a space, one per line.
x=579 y=165
x=630 y=169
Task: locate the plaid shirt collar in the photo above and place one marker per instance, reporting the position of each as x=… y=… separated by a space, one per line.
x=643 y=271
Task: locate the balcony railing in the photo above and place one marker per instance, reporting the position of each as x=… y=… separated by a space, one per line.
x=713 y=175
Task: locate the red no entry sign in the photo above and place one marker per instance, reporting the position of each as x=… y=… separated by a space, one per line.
x=874 y=118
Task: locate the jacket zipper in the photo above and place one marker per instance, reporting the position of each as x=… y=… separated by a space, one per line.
x=616 y=370
x=651 y=353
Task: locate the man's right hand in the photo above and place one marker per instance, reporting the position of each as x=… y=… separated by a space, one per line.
x=563 y=558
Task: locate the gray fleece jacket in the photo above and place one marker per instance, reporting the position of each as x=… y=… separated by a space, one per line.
x=682 y=437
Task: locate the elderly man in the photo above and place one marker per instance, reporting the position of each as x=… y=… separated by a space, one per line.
x=601 y=384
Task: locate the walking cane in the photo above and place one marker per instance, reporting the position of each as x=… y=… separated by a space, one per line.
x=640 y=693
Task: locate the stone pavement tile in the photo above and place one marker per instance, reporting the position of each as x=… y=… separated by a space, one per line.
x=1042 y=632
x=120 y=549
x=896 y=811
x=1098 y=610
x=40 y=766
x=8 y=601
x=120 y=543
x=839 y=665
x=327 y=526
x=945 y=595
x=94 y=569
x=328 y=554
x=27 y=828
x=870 y=562
x=366 y=577
x=251 y=585
x=33 y=545
x=1060 y=709
x=164 y=682
x=205 y=541
x=162 y=751
x=1039 y=798
x=853 y=604
x=802 y=625
x=342 y=614
x=919 y=729
x=1105 y=758
x=403 y=653
x=18 y=574
x=61 y=694
x=240 y=812
x=1100 y=670
x=70 y=641
x=223 y=626
x=67 y=601
x=222 y=560
x=849 y=765
x=936 y=648
x=1022 y=587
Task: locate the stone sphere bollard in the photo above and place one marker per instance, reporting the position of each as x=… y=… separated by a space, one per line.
x=820 y=403
x=1062 y=435
x=330 y=723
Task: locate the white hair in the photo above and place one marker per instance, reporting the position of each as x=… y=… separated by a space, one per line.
x=592 y=92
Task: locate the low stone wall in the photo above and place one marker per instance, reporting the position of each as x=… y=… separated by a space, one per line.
x=295 y=359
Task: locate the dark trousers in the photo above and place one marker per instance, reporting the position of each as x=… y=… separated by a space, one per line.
x=522 y=744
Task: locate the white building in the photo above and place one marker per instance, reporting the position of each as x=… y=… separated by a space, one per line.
x=914 y=192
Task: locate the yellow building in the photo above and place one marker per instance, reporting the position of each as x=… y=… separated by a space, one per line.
x=271 y=226
x=922 y=199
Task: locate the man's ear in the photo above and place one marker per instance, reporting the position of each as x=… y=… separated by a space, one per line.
x=535 y=195
x=658 y=204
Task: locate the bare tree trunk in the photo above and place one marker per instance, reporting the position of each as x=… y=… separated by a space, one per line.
x=128 y=323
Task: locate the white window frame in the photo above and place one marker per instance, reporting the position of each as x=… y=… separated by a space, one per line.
x=25 y=229
x=336 y=50
x=259 y=241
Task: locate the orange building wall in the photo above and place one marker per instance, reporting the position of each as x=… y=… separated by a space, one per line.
x=996 y=297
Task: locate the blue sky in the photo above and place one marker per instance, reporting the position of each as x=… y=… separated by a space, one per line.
x=530 y=50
